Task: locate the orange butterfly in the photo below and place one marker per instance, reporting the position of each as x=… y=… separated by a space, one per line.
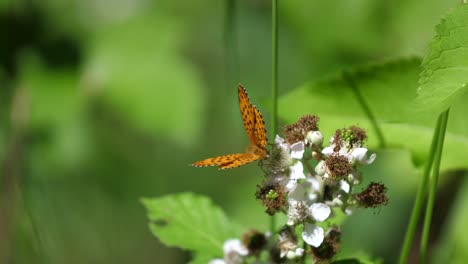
x=255 y=128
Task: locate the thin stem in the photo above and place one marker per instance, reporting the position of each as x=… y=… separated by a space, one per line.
x=418 y=203
x=274 y=82
x=349 y=80
x=230 y=44
x=433 y=187
x=274 y=68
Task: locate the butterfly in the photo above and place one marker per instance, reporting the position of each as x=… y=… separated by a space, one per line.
x=255 y=128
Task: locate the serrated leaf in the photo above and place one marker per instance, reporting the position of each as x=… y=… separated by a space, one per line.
x=189 y=221
x=388 y=89
x=445 y=66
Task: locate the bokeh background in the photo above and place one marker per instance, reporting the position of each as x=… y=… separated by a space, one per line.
x=104 y=102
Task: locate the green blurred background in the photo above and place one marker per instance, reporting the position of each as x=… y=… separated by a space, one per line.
x=104 y=102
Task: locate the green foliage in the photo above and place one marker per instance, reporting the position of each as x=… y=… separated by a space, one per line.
x=445 y=67
x=201 y=259
x=55 y=108
x=388 y=89
x=356 y=261
x=453 y=245
x=139 y=71
x=190 y=222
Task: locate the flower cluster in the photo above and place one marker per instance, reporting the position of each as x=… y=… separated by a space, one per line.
x=310 y=183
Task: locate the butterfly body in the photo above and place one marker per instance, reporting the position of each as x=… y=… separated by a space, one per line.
x=255 y=128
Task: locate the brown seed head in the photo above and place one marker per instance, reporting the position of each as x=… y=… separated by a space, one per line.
x=374 y=195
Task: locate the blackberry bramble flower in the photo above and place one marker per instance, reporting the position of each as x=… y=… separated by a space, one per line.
x=309 y=183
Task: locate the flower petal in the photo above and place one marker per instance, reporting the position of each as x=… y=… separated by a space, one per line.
x=360 y=155
x=279 y=141
x=320 y=211
x=217 y=261
x=235 y=245
x=297 y=150
x=327 y=151
x=344 y=186
x=297 y=171
x=299 y=252
x=313 y=235
x=297 y=193
x=321 y=168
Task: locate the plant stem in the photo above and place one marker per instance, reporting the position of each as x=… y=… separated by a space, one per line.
x=416 y=212
x=349 y=80
x=433 y=187
x=274 y=68
x=230 y=44
x=274 y=83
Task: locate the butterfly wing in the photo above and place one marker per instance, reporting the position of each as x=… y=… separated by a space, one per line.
x=260 y=130
x=247 y=113
x=242 y=159
x=227 y=161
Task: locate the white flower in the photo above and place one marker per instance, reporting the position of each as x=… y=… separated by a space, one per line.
x=298 y=193
x=315 y=188
x=292 y=254
x=297 y=150
x=297 y=171
x=279 y=141
x=320 y=211
x=360 y=155
x=298 y=212
x=235 y=245
x=217 y=261
x=309 y=190
x=344 y=186
x=234 y=251
x=313 y=235
x=328 y=151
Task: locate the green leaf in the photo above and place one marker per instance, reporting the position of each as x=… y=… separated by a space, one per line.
x=388 y=89
x=190 y=222
x=201 y=259
x=445 y=66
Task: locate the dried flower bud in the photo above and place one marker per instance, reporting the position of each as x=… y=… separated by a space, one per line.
x=272 y=196
x=374 y=195
x=298 y=212
x=254 y=241
x=314 y=138
x=329 y=246
x=279 y=159
x=308 y=123
x=338 y=167
x=351 y=137
x=293 y=133
x=299 y=130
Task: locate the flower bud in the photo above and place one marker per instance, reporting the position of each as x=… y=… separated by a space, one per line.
x=314 y=138
x=320 y=169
